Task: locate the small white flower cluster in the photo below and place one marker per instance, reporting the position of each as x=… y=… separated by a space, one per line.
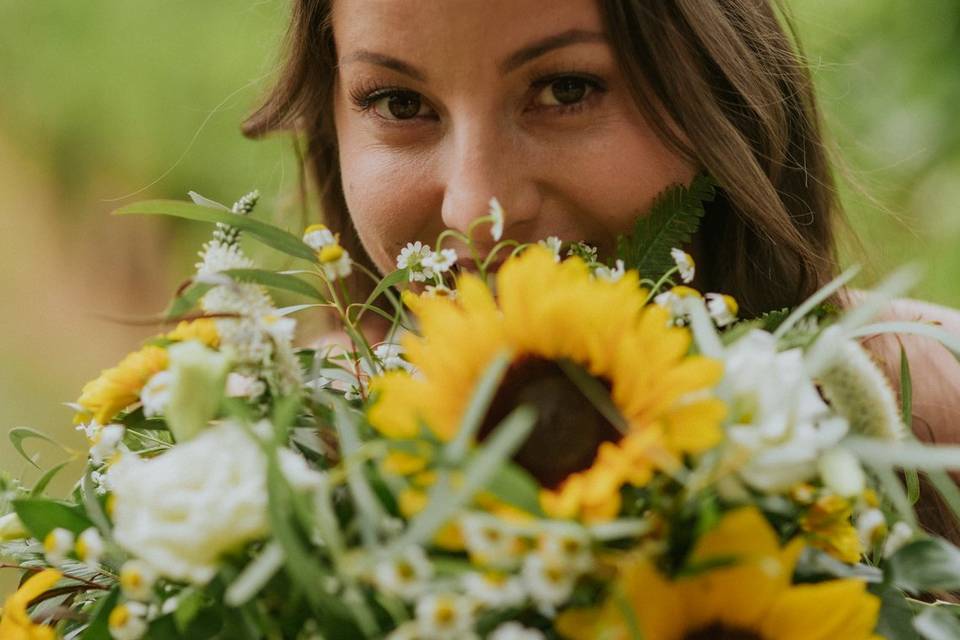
x=424 y=264
x=88 y=547
x=723 y=309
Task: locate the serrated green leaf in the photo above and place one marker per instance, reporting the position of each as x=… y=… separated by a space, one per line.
x=276 y=280
x=937 y=623
x=18 y=435
x=931 y=564
x=267 y=233
x=99 y=628
x=671 y=221
x=40 y=516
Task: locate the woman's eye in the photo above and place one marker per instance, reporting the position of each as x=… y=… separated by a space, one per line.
x=399 y=105
x=564 y=91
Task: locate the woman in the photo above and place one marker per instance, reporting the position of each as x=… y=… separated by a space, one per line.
x=575 y=114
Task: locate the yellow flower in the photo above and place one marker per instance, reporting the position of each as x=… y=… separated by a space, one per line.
x=202 y=329
x=752 y=599
x=546 y=316
x=828 y=527
x=16 y=623
x=119 y=387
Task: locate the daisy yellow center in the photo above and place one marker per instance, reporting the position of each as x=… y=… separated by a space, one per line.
x=720 y=632
x=569 y=429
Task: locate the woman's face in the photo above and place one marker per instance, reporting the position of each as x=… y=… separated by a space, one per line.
x=442 y=104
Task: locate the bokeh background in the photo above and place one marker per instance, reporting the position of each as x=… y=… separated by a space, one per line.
x=105 y=102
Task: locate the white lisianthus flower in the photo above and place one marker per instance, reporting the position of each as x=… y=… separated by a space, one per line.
x=89 y=547
x=496 y=212
x=440 y=261
x=318 y=236
x=298 y=472
x=685 y=264
x=445 y=616
x=406 y=576
x=57 y=545
x=776 y=415
x=722 y=308
x=128 y=621
x=244 y=386
x=179 y=512
x=411 y=257
x=198 y=379
x=553 y=244
x=137 y=579
x=841 y=472
x=603 y=272
x=334 y=262
x=494 y=590
x=515 y=631
x=155 y=395
x=105 y=442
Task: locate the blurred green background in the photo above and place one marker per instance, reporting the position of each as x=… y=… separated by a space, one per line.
x=105 y=102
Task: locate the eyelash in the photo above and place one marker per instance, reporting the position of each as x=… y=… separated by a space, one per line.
x=366 y=95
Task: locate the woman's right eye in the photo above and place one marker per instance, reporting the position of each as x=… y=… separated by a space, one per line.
x=398 y=104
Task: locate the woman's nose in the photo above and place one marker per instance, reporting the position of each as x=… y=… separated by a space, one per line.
x=483 y=163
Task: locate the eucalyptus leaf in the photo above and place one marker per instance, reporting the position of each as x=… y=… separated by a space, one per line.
x=268 y=234
x=937 y=623
x=930 y=564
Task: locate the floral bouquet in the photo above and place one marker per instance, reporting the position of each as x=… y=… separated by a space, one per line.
x=562 y=449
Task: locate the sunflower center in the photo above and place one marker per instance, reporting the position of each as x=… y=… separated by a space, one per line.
x=720 y=632
x=569 y=429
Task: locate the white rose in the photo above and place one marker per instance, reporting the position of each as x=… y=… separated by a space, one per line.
x=180 y=511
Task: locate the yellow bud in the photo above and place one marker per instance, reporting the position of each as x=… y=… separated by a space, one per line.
x=330 y=253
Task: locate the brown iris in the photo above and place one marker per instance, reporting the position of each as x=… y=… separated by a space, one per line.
x=569 y=429
x=720 y=632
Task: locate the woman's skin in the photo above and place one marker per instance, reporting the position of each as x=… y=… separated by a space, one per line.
x=440 y=105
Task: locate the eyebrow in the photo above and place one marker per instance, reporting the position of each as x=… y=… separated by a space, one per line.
x=512 y=62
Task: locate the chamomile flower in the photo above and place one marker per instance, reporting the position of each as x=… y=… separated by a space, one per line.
x=318 y=236
x=57 y=545
x=567 y=544
x=603 y=272
x=440 y=261
x=494 y=589
x=105 y=442
x=489 y=542
x=390 y=356
x=515 y=631
x=584 y=251
x=137 y=579
x=89 y=547
x=722 y=308
x=440 y=291
x=445 y=616
x=685 y=264
x=334 y=262
x=411 y=257
x=406 y=576
x=673 y=301
x=128 y=621
x=496 y=212
x=548 y=580
x=553 y=244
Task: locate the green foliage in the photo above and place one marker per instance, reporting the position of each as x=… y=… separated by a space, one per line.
x=671 y=222
x=99 y=628
x=925 y=565
x=939 y=623
x=275 y=280
x=40 y=516
x=18 y=435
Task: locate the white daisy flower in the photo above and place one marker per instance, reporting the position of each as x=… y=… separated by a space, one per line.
x=495 y=590
x=128 y=621
x=318 y=236
x=900 y=535
x=871 y=527
x=684 y=262
x=489 y=542
x=390 y=355
x=411 y=257
x=566 y=544
x=553 y=244
x=406 y=576
x=89 y=547
x=548 y=581
x=440 y=290
x=57 y=545
x=673 y=301
x=155 y=395
x=496 y=212
x=440 y=261
x=603 y=272
x=445 y=616
x=334 y=262
x=105 y=443
x=722 y=308
x=137 y=580
x=515 y=631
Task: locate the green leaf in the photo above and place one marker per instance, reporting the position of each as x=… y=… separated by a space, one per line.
x=895 y=621
x=477 y=407
x=189 y=603
x=931 y=564
x=40 y=516
x=187 y=300
x=906 y=414
x=671 y=221
x=395 y=278
x=99 y=629
x=937 y=623
x=513 y=485
x=19 y=434
x=268 y=234
x=46 y=478
x=276 y=280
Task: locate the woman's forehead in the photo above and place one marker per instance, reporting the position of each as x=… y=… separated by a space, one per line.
x=422 y=31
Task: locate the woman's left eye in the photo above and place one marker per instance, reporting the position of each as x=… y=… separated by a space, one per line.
x=565 y=91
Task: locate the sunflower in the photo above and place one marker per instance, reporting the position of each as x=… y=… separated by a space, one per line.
x=16 y=623
x=750 y=599
x=549 y=316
